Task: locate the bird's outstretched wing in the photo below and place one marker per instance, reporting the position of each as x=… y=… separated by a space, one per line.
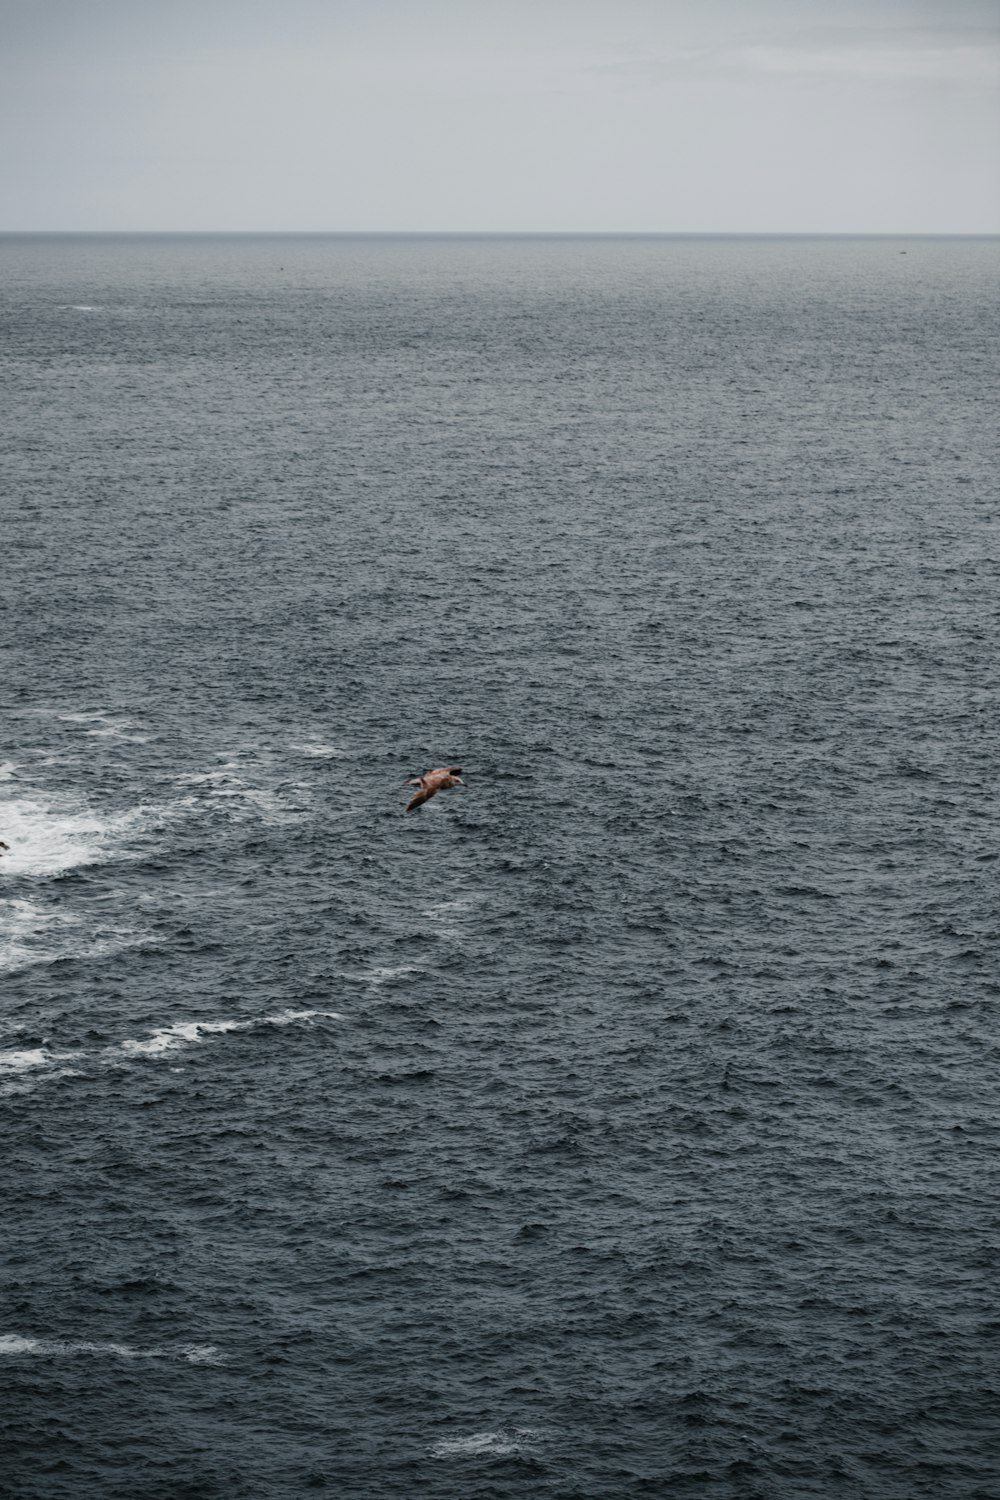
x=421 y=796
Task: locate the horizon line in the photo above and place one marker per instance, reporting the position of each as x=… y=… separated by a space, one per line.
x=573 y=234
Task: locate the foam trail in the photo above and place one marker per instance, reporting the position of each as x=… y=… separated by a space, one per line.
x=13 y=1344
x=185 y=1033
x=23 y=1070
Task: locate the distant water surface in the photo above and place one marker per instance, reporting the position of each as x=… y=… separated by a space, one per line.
x=626 y=1123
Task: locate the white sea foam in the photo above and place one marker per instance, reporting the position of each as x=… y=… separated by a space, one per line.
x=385 y=976
x=451 y=908
x=16 y=1061
x=88 y=716
x=201 y=1354
x=30 y=935
x=195 y=1354
x=105 y=726
x=119 y=732
x=49 y=837
x=46 y=840
x=22 y=1070
x=26 y=930
x=246 y=800
x=181 y=1034
x=186 y=1033
x=503 y=1443
x=320 y=751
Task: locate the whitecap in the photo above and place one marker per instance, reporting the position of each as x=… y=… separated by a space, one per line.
x=24 y=926
x=181 y=1034
x=47 y=837
x=12 y=1343
x=451 y=908
x=320 y=751
x=24 y=1069
x=46 y=840
x=30 y=935
x=245 y=800
x=201 y=1354
x=16 y=1061
x=504 y=1442
x=106 y=726
x=186 y=1033
x=195 y=1354
x=119 y=732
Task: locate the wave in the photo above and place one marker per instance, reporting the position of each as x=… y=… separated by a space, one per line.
x=185 y=1033
x=504 y=1442
x=21 y=1060
x=12 y=1344
x=30 y=935
x=227 y=787
x=23 y=926
x=319 y=751
x=22 y=1070
x=452 y=908
x=45 y=839
x=49 y=836
x=387 y=975
x=104 y=726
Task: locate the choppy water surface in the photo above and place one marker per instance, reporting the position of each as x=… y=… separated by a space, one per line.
x=627 y=1122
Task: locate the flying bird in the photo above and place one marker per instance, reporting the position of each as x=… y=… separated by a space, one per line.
x=432 y=782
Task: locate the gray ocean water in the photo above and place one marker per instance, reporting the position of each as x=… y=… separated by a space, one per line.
x=626 y=1122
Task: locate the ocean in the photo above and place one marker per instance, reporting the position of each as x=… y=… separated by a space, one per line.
x=624 y=1122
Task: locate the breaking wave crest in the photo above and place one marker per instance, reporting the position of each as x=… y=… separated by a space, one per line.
x=23 y=1069
x=185 y=1033
x=503 y=1442
x=13 y=1344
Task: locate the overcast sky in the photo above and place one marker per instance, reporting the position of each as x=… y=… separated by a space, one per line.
x=813 y=116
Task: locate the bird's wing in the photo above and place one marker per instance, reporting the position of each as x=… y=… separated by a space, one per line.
x=421 y=796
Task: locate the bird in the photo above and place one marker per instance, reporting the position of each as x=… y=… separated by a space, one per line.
x=432 y=782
